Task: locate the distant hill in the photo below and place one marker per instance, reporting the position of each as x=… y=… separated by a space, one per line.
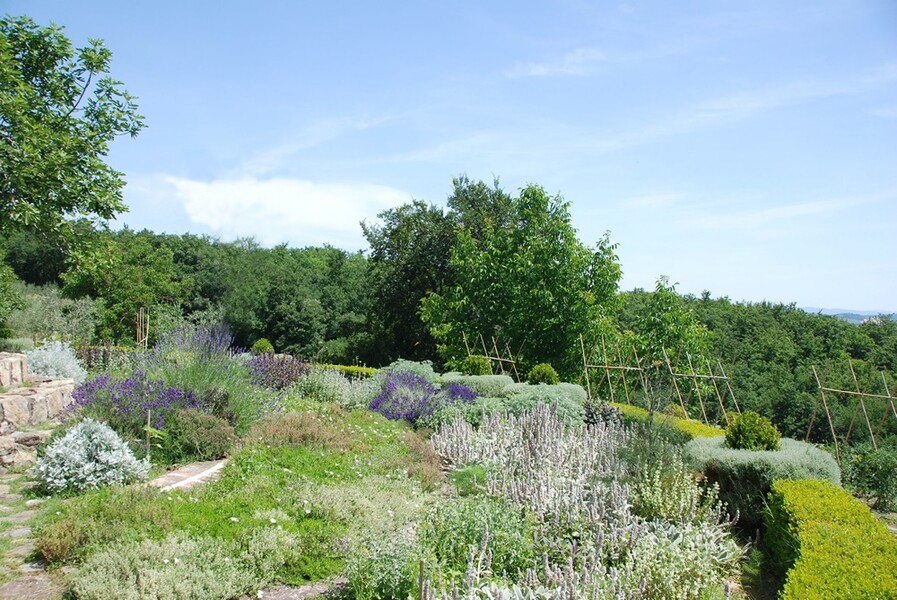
x=851 y=316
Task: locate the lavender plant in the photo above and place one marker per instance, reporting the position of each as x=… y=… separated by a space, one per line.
x=89 y=456
x=276 y=371
x=127 y=404
x=408 y=396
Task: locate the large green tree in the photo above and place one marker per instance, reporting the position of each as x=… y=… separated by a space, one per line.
x=59 y=109
x=529 y=281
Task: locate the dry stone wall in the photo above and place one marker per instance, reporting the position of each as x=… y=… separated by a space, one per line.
x=28 y=401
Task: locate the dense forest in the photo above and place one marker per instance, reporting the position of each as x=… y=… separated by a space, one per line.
x=487 y=263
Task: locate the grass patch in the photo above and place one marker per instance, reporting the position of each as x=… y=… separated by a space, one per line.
x=323 y=479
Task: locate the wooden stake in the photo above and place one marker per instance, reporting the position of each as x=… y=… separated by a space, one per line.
x=831 y=423
x=718 y=395
x=862 y=403
x=697 y=390
x=726 y=379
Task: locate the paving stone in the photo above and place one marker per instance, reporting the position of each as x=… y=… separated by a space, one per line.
x=19 y=517
x=19 y=532
x=32 y=587
x=23 y=551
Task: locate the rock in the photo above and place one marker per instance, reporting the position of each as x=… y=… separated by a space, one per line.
x=31 y=439
x=16 y=407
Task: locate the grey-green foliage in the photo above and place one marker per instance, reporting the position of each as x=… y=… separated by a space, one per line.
x=422 y=368
x=384 y=568
x=331 y=386
x=179 y=567
x=484 y=385
x=89 y=456
x=55 y=359
x=47 y=314
x=452 y=531
x=745 y=476
x=566 y=399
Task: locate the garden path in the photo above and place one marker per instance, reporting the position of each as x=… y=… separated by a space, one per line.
x=187 y=476
x=23 y=577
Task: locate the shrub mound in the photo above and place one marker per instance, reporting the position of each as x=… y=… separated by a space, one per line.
x=476 y=365
x=828 y=544
x=276 y=371
x=55 y=359
x=745 y=476
x=262 y=346
x=89 y=456
x=193 y=435
x=872 y=472
x=752 y=431
x=490 y=386
x=687 y=429
x=543 y=373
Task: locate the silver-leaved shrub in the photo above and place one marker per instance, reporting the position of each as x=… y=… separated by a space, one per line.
x=89 y=456
x=55 y=359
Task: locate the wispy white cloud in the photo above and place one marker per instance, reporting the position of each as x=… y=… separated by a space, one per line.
x=282 y=210
x=742 y=105
x=311 y=136
x=580 y=61
x=714 y=218
x=653 y=200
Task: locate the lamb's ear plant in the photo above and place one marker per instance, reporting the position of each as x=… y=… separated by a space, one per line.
x=89 y=456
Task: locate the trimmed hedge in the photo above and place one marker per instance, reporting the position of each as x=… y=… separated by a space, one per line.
x=356 y=371
x=690 y=429
x=746 y=476
x=828 y=544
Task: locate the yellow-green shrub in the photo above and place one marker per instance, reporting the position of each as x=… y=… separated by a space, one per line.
x=350 y=370
x=828 y=544
x=691 y=429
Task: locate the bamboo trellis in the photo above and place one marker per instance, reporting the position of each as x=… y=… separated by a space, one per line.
x=616 y=364
x=502 y=358
x=142 y=328
x=860 y=403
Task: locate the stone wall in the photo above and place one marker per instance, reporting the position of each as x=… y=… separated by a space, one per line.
x=13 y=369
x=39 y=400
x=28 y=401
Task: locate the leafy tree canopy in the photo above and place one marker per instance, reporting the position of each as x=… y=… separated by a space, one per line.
x=529 y=281
x=59 y=110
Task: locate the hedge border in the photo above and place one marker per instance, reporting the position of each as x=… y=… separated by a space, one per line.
x=827 y=544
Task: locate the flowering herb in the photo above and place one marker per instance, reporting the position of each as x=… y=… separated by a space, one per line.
x=125 y=404
x=408 y=396
x=276 y=371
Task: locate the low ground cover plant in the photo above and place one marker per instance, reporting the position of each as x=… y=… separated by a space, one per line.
x=827 y=544
x=324 y=480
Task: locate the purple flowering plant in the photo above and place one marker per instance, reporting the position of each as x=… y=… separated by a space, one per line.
x=125 y=405
x=276 y=371
x=410 y=397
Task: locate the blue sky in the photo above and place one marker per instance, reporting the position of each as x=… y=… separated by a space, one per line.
x=745 y=148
